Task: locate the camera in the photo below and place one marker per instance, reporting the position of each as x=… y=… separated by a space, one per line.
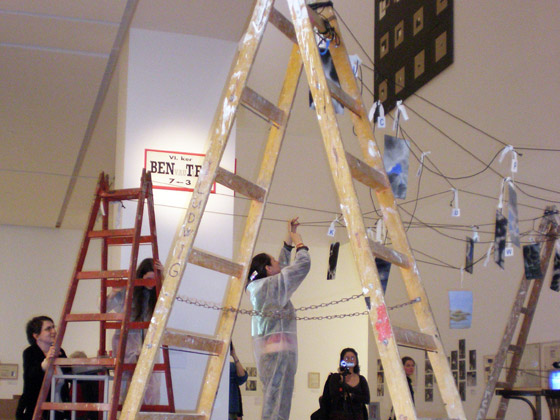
x=345 y=367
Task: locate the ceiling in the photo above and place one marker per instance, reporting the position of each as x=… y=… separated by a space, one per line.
x=504 y=82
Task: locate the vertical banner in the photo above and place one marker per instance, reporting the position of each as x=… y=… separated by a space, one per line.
x=333 y=260
x=555 y=281
x=460 y=309
x=532 y=261
x=469 y=255
x=500 y=238
x=512 y=216
x=395 y=159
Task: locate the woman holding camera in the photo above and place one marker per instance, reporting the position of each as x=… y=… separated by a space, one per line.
x=346 y=393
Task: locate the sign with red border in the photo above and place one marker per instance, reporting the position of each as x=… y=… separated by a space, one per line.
x=173 y=170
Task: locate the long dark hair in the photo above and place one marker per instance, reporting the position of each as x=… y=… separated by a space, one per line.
x=258 y=266
x=350 y=349
x=34 y=326
x=143 y=297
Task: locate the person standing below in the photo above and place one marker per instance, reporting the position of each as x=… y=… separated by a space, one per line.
x=41 y=334
x=409 y=365
x=237 y=376
x=143 y=303
x=271 y=285
x=346 y=393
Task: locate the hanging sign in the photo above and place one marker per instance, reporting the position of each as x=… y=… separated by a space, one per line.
x=174 y=170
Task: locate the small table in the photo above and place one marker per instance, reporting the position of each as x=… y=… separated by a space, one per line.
x=552 y=398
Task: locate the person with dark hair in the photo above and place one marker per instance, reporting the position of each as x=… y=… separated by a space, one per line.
x=409 y=365
x=271 y=285
x=346 y=392
x=41 y=334
x=143 y=303
x=237 y=376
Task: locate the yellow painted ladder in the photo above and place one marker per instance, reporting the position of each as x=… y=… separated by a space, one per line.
x=525 y=304
x=344 y=168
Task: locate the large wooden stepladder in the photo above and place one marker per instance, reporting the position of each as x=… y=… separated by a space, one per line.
x=100 y=217
x=524 y=306
x=344 y=167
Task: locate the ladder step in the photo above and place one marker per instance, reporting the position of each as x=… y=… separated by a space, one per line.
x=263 y=107
x=342 y=97
x=111 y=274
x=124 y=194
x=283 y=24
x=111 y=233
x=367 y=175
x=514 y=348
x=158 y=367
x=390 y=255
x=131 y=325
x=92 y=361
x=175 y=338
x=137 y=282
x=240 y=185
x=76 y=406
x=216 y=263
x=94 y=317
x=124 y=240
x=414 y=339
x=168 y=416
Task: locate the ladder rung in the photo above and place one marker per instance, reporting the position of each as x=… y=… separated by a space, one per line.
x=343 y=97
x=158 y=367
x=514 y=348
x=94 y=317
x=214 y=262
x=366 y=174
x=414 y=339
x=111 y=274
x=131 y=325
x=240 y=185
x=111 y=233
x=168 y=416
x=147 y=239
x=283 y=24
x=93 y=361
x=174 y=338
x=124 y=194
x=76 y=406
x=137 y=282
x=263 y=107
x=390 y=255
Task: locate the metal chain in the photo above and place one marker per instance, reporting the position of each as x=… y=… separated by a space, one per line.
x=282 y=314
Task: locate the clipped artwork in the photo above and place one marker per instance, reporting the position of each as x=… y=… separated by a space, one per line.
x=333 y=260
x=532 y=261
x=330 y=73
x=513 y=224
x=460 y=310
x=395 y=159
x=469 y=255
x=500 y=232
x=555 y=281
x=383 y=268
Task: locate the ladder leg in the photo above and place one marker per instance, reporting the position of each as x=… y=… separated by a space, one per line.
x=183 y=242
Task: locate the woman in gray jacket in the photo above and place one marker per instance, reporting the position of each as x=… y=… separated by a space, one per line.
x=271 y=285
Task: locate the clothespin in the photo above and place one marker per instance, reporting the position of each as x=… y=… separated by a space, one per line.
x=456 y=211
x=514 y=163
x=490 y=248
x=421 y=163
x=401 y=110
x=332 y=228
x=355 y=62
x=475 y=233
x=377 y=106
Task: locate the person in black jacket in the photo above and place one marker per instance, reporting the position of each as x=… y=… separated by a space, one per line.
x=346 y=393
x=41 y=334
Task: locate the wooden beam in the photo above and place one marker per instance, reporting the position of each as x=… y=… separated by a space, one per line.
x=390 y=255
x=262 y=106
x=283 y=24
x=169 y=416
x=215 y=262
x=76 y=406
x=94 y=317
x=414 y=339
x=109 y=274
x=93 y=361
x=240 y=185
x=367 y=175
x=342 y=97
x=205 y=344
